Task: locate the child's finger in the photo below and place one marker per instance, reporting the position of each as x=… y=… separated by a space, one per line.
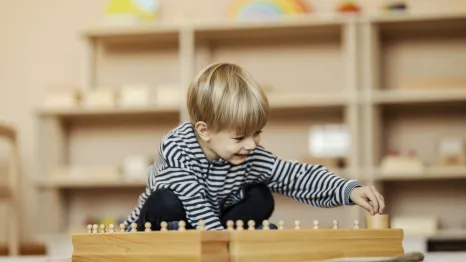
x=373 y=200
x=366 y=205
x=381 y=202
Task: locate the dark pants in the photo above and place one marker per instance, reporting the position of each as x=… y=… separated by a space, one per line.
x=163 y=205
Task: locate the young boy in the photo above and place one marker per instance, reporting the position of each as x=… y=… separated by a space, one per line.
x=212 y=168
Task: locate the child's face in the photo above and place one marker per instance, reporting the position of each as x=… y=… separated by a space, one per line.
x=232 y=147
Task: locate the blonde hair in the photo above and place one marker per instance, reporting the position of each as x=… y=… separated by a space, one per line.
x=226 y=97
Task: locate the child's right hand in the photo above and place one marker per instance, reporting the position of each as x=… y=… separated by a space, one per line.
x=368 y=198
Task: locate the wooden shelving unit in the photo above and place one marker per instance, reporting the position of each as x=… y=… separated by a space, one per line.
x=414 y=90
x=341 y=70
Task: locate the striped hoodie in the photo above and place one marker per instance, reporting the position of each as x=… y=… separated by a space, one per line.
x=206 y=187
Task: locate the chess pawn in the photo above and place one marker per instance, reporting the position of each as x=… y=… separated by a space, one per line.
x=134 y=227
x=95 y=228
x=296 y=224
x=316 y=224
x=163 y=226
x=147 y=226
x=356 y=224
x=102 y=228
x=201 y=225
x=239 y=225
x=335 y=224
x=280 y=225
x=265 y=225
x=89 y=228
x=251 y=225
x=111 y=228
x=181 y=226
x=230 y=225
x=122 y=227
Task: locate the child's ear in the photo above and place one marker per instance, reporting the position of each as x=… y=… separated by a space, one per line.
x=202 y=130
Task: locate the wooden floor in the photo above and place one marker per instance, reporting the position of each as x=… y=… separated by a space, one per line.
x=26 y=249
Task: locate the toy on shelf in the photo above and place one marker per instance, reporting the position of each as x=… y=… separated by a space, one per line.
x=62 y=98
x=134 y=167
x=395 y=6
x=329 y=145
x=98 y=98
x=451 y=152
x=348 y=7
x=395 y=163
x=134 y=95
x=241 y=242
x=130 y=11
x=416 y=225
x=266 y=9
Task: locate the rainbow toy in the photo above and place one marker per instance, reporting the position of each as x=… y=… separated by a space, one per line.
x=263 y=9
x=144 y=9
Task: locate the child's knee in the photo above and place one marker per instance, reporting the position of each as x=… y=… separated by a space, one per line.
x=164 y=200
x=262 y=195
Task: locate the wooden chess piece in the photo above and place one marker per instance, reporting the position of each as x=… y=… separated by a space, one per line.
x=280 y=225
x=181 y=226
x=163 y=226
x=265 y=225
x=148 y=227
x=239 y=225
x=102 y=228
x=95 y=228
x=251 y=225
x=201 y=225
x=230 y=225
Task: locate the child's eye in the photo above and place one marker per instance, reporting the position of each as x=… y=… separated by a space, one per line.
x=239 y=138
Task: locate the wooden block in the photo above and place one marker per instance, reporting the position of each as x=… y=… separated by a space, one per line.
x=134 y=95
x=287 y=244
x=101 y=97
x=61 y=99
x=393 y=164
x=290 y=245
x=171 y=246
x=378 y=221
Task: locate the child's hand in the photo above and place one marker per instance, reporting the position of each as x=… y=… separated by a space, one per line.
x=368 y=198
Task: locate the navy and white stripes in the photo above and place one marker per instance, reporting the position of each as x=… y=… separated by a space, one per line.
x=205 y=187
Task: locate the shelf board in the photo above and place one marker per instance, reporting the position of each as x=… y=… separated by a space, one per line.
x=158 y=31
x=407 y=17
x=77 y=112
x=84 y=183
x=431 y=24
x=407 y=96
x=430 y=173
x=307 y=100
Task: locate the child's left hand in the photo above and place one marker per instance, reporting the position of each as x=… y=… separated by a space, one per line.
x=368 y=198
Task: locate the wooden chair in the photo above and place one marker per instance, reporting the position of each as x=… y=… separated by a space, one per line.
x=9 y=191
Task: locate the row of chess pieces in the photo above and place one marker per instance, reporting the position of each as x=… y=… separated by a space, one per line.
x=93 y=229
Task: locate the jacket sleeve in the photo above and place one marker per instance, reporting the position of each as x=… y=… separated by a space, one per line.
x=311 y=184
x=173 y=173
x=134 y=215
